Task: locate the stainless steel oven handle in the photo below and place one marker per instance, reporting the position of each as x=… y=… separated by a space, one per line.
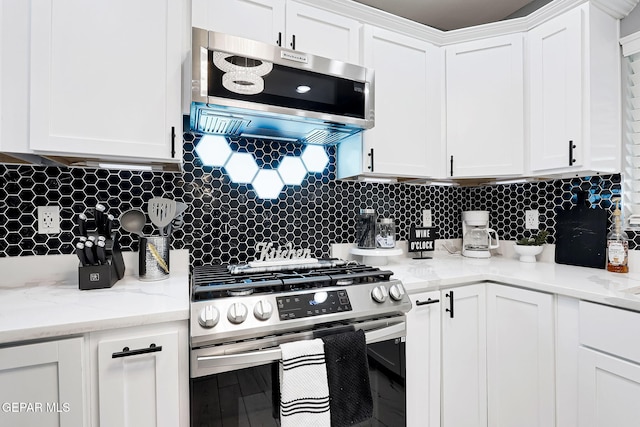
x=275 y=354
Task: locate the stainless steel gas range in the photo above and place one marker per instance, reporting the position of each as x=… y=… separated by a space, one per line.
x=241 y=314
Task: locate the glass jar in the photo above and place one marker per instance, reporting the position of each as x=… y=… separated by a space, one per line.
x=366 y=229
x=386 y=233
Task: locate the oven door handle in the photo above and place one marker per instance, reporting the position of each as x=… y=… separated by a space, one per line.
x=275 y=354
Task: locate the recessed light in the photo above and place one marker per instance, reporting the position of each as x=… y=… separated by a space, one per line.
x=303 y=89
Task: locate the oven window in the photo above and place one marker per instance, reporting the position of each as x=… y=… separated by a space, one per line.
x=245 y=397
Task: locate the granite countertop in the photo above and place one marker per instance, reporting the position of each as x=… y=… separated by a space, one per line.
x=447 y=270
x=40 y=299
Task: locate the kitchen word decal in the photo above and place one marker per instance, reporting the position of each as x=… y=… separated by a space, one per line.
x=270 y=252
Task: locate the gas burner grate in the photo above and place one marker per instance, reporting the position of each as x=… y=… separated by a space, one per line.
x=215 y=281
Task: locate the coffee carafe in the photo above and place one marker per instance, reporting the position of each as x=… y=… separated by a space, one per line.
x=477 y=238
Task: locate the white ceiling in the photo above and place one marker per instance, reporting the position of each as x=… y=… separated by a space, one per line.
x=449 y=14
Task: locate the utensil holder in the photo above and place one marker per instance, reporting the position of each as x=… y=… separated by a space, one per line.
x=153 y=258
x=100 y=276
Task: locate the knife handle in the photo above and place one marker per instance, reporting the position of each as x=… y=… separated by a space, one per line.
x=88 y=252
x=81 y=255
x=100 y=252
x=108 y=228
x=100 y=218
x=82 y=224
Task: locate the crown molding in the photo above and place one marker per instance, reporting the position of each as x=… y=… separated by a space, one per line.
x=369 y=15
x=616 y=8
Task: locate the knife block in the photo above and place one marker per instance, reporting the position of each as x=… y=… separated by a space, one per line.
x=102 y=276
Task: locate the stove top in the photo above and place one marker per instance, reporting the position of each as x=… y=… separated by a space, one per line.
x=222 y=281
x=231 y=303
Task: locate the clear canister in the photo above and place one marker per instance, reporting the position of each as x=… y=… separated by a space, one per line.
x=386 y=233
x=366 y=229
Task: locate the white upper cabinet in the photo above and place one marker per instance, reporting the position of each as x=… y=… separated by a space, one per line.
x=288 y=24
x=485 y=107
x=406 y=138
x=322 y=33
x=14 y=75
x=261 y=20
x=106 y=78
x=574 y=93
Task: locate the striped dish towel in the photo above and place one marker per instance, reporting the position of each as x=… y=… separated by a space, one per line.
x=304 y=391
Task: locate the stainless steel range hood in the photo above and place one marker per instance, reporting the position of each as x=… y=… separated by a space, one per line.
x=246 y=88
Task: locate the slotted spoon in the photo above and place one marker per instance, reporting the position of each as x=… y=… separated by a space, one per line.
x=161 y=211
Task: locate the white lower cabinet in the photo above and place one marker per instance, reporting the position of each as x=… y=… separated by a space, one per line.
x=609 y=390
x=464 y=356
x=520 y=357
x=42 y=384
x=608 y=366
x=491 y=349
x=141 y=376
x=423 y=360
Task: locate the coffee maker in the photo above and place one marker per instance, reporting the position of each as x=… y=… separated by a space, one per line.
x=477 y=238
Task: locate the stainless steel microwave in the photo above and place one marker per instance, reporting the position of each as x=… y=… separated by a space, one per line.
x=243 y=87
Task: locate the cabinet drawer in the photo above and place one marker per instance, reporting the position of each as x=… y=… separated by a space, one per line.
x=611 y=330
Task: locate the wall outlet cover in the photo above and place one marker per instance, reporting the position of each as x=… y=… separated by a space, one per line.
x=531 y=221
x=48 y=219
x=427 y=219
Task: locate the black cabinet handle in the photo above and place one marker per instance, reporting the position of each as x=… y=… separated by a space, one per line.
x=370 y=167
x=127 y=352
x=173 y=142
x=450 y=309
x=429 y=301
x=451 y=165
x=293 y=42
x=571 y=147
x=279 y=38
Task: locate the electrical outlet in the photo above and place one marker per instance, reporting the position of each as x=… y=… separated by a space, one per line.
x=48 y=219
x=426 y=218
x=531 y=220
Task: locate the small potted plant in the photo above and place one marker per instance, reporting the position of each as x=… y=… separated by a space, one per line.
x=529 y=247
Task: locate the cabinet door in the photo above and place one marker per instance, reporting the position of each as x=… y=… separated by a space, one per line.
x=464 y=357
x=423 y=360
x=106 y=78
x=555 y=49
x=139 y=388
x=322 y=33
x=47 y=376
x=14 y=76
x=406 y=139
x=485 y=107
x=261 y=20
x=520 y=361
x=609 y=390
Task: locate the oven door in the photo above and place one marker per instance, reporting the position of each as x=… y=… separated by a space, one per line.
x=241 y=392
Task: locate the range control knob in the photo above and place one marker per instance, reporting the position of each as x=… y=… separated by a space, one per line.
x=263 y=310
x=396 y=291
x=209 y=317
x=379 y=294
x=237 y=313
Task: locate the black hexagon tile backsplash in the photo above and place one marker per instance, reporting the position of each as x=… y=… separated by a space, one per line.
x=226 y=220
